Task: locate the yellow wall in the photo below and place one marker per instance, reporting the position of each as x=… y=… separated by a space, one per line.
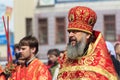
x=3 y=51
x=22 y=9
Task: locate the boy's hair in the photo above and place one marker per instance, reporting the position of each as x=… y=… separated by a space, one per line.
x=30 y=41
x=55 y=52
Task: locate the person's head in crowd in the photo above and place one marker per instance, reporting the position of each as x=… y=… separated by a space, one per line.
x=80 y=27
x=53 y=55
x=61 y=53
x=117 y=50
x=28 y=47
x=17 y=51
x=16 y=48
x=117 y=47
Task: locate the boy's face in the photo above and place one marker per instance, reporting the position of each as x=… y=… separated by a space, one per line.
x=52 y=58
x=26 y=52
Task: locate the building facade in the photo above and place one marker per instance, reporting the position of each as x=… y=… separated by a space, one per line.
x=47 y=20
x=51 y=22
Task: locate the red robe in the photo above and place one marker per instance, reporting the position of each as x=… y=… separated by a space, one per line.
x=96 y=65
x=2 y=77
x=36 y=70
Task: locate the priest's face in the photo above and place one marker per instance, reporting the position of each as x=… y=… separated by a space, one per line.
x=77 y=44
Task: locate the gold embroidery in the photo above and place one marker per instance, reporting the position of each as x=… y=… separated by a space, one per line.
x=89 y=68
x=94 y=52
x=91 y=21
x=71 y=17
x=88 y=60
x=79 y=29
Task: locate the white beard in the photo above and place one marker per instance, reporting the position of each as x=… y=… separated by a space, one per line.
x=78 y=50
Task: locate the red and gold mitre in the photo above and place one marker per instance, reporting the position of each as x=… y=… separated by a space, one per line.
x=82 y=19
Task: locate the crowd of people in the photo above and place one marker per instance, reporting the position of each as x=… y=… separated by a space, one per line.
x=87 y=55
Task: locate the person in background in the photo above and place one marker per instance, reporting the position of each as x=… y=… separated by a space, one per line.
x=17 y=53
x=49 y=62
x=111 y=50
x=16 y=48
x=53 y=55
x=86 y=56
x=117 y=50
x=61 y=53
x=33 y=68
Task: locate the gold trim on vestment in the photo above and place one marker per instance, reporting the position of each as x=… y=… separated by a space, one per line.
x=80 y=30
x=85 y=65
x=89 y=68
x=92 y=46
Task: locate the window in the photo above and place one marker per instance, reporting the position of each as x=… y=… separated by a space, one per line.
x=60 y=30
x=43 y=31
x=109 y=27
x=28 y=26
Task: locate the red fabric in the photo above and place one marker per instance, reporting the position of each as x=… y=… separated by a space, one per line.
x=36 y=70
x=96 y=65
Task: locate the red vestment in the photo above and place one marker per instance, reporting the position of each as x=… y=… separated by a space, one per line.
x=36 y=70
x=2 y=77
x=95 y=65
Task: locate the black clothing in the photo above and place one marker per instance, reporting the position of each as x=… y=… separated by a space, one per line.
x=116 y=65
